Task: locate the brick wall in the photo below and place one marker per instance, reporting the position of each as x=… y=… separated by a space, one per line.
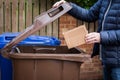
x=89 y=70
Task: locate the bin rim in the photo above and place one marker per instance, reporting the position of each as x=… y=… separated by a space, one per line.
x=69 y=57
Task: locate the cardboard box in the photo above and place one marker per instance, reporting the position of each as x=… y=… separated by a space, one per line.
x=75 y=37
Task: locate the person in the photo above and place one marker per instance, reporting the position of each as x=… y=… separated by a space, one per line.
x=107 y=38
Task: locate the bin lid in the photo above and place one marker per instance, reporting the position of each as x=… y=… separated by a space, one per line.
x=68 y=57
x=39 y=22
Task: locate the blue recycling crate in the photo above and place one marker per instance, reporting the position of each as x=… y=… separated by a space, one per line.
x=33 y=40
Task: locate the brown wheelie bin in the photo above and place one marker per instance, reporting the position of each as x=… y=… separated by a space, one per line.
x=47 y=63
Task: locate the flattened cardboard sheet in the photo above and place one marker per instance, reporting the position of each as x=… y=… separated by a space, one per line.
x=75 y=37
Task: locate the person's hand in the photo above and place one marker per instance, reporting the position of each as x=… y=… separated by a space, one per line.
x=93 y=37
x=59 y=3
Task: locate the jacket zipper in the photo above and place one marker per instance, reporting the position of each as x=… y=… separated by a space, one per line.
x=103 y=25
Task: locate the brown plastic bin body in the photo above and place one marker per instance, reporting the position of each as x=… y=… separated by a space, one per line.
x=64 y=65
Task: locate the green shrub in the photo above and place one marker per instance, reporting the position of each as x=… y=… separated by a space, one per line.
x=84 y=3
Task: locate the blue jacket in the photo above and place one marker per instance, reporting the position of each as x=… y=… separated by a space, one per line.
x=107 y=12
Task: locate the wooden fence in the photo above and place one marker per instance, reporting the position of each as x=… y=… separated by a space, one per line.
x=16 y=15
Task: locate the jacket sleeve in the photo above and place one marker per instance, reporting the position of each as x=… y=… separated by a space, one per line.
x=86 y=15
x=111 y=37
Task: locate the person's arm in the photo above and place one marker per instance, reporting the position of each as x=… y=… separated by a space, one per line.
x=86 y=15
x=110 y=37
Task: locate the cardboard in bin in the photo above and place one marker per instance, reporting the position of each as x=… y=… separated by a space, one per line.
x=75 y=37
